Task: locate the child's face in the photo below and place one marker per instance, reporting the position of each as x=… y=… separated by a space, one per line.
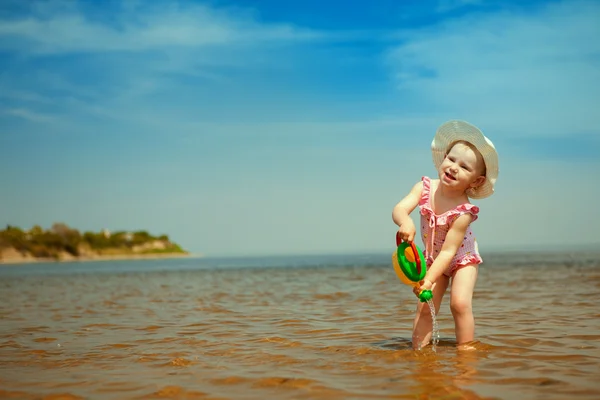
x=462 y=168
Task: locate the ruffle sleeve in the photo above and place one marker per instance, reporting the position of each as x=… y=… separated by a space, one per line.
x=424 y=203
x=466 y=209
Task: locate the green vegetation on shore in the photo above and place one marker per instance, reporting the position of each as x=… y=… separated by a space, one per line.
x=61 y=240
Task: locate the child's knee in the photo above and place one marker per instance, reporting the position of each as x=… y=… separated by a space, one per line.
x=460 y=306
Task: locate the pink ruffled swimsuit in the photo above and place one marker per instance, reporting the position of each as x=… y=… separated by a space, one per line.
x=435 y=227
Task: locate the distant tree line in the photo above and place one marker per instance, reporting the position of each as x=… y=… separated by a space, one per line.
x=61 y=238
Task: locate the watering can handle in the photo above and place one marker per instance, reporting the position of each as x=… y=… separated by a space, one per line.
x=414 y=249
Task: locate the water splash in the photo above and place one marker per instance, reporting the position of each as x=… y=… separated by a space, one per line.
x=435 y=333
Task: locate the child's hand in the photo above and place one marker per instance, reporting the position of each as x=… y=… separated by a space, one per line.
x=407 y=230
x=425 y=284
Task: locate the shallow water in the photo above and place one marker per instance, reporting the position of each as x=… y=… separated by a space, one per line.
x=292 y=328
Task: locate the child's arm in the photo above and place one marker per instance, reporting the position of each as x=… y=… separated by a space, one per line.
x=402 y=210
x=454 y=239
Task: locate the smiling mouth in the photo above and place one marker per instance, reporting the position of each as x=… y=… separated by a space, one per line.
x=450 y=176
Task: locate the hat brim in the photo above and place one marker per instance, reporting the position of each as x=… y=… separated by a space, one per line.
x=453 y=131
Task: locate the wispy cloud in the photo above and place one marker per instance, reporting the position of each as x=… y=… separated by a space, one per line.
x=28 y=115
x=122 y=63
x=523 y=72
x=67 y=28
x=533 y=71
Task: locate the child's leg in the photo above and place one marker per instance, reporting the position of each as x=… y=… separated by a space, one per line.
x=463 y=284
x=423 y=325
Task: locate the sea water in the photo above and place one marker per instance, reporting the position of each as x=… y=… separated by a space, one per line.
x=292 y=327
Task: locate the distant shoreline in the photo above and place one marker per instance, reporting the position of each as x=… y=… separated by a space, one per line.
x=16 y=261
x=62 y=243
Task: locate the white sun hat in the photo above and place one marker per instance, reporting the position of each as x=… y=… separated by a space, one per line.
x=453 y=131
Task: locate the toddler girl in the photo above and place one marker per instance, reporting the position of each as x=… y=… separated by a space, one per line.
x=467 y=165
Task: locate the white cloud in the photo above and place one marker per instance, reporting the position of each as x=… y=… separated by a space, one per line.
x=526 y=73
x=112 y=67
x=60 y=28
x=28 y=115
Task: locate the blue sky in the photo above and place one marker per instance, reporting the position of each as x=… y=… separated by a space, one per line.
x=269 y=127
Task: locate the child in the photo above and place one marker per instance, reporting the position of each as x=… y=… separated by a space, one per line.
x=467 y=166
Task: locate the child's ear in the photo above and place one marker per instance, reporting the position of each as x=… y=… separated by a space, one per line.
x=478 y=182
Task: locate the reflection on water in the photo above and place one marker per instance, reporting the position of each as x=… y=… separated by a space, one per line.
x=292 y=328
